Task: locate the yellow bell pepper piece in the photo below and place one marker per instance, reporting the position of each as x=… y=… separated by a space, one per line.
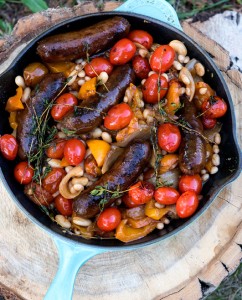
x=173 y=98
x=12 y=120
x=125 y=233
x=88 y=89
x=153 y=212
x=168 y=162
x=61 y=67
x=14 y=103
x=99 y=150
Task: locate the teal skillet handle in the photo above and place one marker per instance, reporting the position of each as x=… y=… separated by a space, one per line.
x=71 y=258
x=158 y=9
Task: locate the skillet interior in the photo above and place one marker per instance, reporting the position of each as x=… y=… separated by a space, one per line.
x=162 y=33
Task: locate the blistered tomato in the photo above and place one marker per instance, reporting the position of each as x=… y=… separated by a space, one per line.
x=190 y=183
x=52 y=180
x=142 y=37
x=215 y=107
x=63 y=205
x=154 y=88
x=74 y=152
x=141 y=192
x=118 y=117
x=162 y=58
x=9 y=146
x=56 y=149
x=187 y=204
x=169 y=137
x=63 y=105
x=166 y=195
x=109 y=219
x=141 y=66
x=122 y=52
x=23 y=172
x=98 y=65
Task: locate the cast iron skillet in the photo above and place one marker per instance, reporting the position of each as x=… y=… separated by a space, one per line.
x=74 y=250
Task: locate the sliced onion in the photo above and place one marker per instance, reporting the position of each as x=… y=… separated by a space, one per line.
x=170 y=178
x=136 y=212
x=191 y=67
x=141 y=134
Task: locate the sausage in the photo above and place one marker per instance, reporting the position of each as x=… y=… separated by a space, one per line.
x=192 y=154
x=48 y=89
x=122 y=174
x=77 y=44
x=89 y=114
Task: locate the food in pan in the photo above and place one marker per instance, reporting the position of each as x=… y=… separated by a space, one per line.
x=113 y=134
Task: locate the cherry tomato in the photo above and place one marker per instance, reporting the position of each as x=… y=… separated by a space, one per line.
x=187 y=204
x=52 y=180
x=98 y=65
x=122 y=52
x=141 y=66
x=169 y=137
x=166 y=195
x=190 y=183
x=162 y=58
x=208 y=123
x=215 y=107
x=63 y=205
x=56 y=149
x=63 y=105
x=128 y=201
x=142 y=37
x=8 y=146
x=141 y=192
x=153 y=84
x=118 y=117
x=109 y=219
x=74 y=152
x=23 y=172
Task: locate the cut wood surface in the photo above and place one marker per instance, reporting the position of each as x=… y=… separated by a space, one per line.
x=186 y=266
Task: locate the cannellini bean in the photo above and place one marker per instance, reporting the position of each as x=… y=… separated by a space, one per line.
x=78 y=68
x=141 y=103
x=146 y=113
x=77 y=231
x=103 y=77
x=177 y=65
x=96 y=133
x=62 y=221
x=55 y=163
x=204 y=172
x=216 y=159
x=185 y=79
x=150 y=119
x=87 y=78
x=190 y=87
x=214 y=170
x=79 y=60
x=217 y=138
x=80 y=180
x=107 y=137
x=207 y=154
x=81 y=82
x=199 y=68
x=203 y=91
x=20 y=81
x=215 y=149
x=205 y=177
x=160 y=226
x=166 y=221
x=186 y=60
x=179 y=47
x=81 y=221
x=159 y=205
x=143 y=52
x=26 y=94
x=72 y=79
x=83 y=63
x=125 y=99
x=181 y=58
x=81 y=73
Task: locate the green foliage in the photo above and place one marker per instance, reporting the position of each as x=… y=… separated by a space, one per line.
x=5 y=27
x=35 y=5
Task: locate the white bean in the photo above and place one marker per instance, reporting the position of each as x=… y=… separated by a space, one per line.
x=160 y=226
x=217 y=138
x=177 y=65
x=81 y=82
x=84 y=63
x=103 y=77
x=199 y=68
x=214 y=170
x=72 y=79
x=216 y=159
x=204 y=172
x=216 y=149
x=96 y=133
x=181 y=58
x=20 y=81
x=79 y=60
x=203 y=91
x=55 y=163
x=107 y=137
x=81 y=221
x=87 y=78
x=26 y=94
x=166 y=221
x=185 y=79
x=81 y=73
x=62 y=221
x=143 y=52
x=126 y=99
x=205 y=177
x=146 y=113
x=150 y=119
x=159 y=205
x=186 y=60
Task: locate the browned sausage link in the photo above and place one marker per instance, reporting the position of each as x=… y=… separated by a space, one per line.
x=90 y=113
x=192 y=155
x=76 y=44
x=123 y=173
x=48 y=89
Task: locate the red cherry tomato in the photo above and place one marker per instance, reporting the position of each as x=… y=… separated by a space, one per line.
x=162 y=58
x=215 y=107
x=56 y=149
x=98 y=65
x=118 y=117
x=142 y=37
x=74 y=152
x=141 y=192
x=109 y=219
x=52 y=180
x=190 y=183
x=208 y=123
x=166 y=195
x=169 y=137
x=63 y=105
x=141 y=66
x=23 y=172
x=9 y=146
x=154 y=85
x=187 y=204
x=128 y=202
x=122 y=52
x=63 y=205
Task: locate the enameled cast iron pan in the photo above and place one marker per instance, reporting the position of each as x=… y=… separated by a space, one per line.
x=74 y=250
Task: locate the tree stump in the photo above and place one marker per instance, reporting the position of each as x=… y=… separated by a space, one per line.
x=186 y=266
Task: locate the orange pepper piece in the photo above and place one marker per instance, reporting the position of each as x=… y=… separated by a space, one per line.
x=88 y=89
x=125 y=233
x=168 y=162
x=61 y=67
x=14 y=103
x=153 y=212
x=99 y=150
x=64 y=163
x=12 y=120
x=173 y=98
